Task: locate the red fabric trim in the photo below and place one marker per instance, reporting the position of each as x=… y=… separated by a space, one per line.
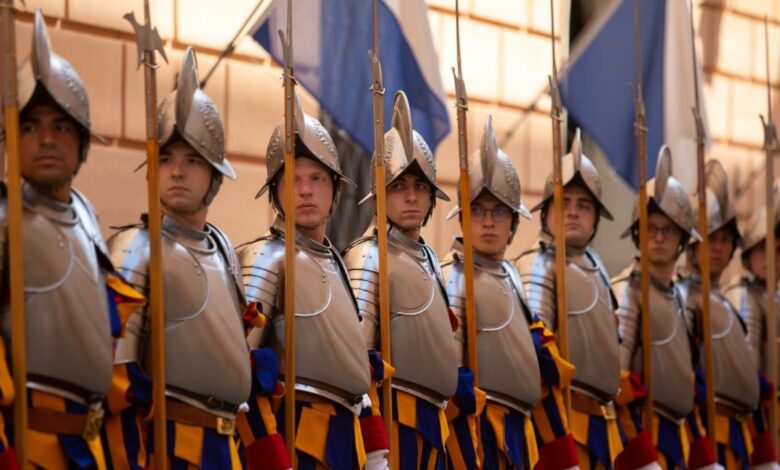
x=267 y=453
x=762 y=449
x=701 y=454
x=374 y=433
x=638 y=452
x=454 y=323
x=8 y=460
x=558 y=454
x=637 y=386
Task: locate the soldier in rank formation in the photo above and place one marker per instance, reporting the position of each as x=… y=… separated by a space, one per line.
x=522 y=405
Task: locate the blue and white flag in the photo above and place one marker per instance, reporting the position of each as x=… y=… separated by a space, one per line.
x=594 y=85
x=331 y=40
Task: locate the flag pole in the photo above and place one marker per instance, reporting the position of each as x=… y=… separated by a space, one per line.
x=640 y=128
x=770 y=148
x=378 y=92
x=289 y=239
x=556 y=115
x=15 y=253
x=704 y=250
x=148 y=41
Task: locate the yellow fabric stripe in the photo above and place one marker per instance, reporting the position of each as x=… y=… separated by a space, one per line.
x=235 y=462
x=44 y=450
x=6 y=382
x=454 y=452
x=116 y=442
x=360 y=447
x=579 y=426
x=311 y=437
x=117 y=393
x=267 y=414
x=47 y=401
x=188 y=443
x=613 y=438
x=407 y=409
x=542 y=421
x=531 y=447
x=96 y=448
x=131 y=302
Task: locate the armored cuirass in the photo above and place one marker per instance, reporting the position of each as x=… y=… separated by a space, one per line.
x=508 y=367
x=736 y=380
x=67 y=319
x=329 y=347
x=670 y=354
x=205 y=349
x=593 y=336
x=423 y=345
x=749 y=298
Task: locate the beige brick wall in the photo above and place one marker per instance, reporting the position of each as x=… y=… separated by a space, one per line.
x=505 y=59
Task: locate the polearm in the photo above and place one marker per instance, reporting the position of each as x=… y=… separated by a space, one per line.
x=15 y=253
x=378 y=92
x=148 y=42
x=289 y=239
x=640 y=129
x=556 y=114
x=704 y=252
x=462 y=106
x=770 y=148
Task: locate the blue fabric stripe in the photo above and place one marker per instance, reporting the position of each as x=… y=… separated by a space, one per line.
x=598 y=445
x=553 y=415
x=737 y=442
x=669 y=442
x=340 y=443
x=216 y=450
x=74 y=446
x=514 y=439
x=407 y=448
x=595 y=93
x=489 y=444
x=331 y=39
x=463 y=435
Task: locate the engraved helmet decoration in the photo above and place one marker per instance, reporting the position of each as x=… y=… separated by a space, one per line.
x=312 y=140
x=668 y=195
x=491 y=172
x=46 y=73
x=754 y=229
x=578 y=169
x=405 y=149
x=720 y=212
x=189 y=113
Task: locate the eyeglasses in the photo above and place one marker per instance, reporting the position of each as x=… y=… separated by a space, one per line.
x=668 y=231
x=500 y=213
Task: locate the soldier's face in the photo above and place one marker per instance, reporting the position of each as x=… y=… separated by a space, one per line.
x=185 y=178
x=721 y=249
x=491 y=224
x=579 y=216
x=663 y=239
x=313 y=193
x=408 y=201
x=757 y=259
x=49 y=143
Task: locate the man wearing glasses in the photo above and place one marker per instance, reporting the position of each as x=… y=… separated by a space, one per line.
x=517 y=357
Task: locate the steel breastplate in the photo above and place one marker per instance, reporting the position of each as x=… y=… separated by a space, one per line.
x=736 y=377
x=423 y=347
x=758 y=292
x=329 y=344
x=593 y=337
x=203 y=326
x=507 y=357
x=67 y=319
x=670 y=354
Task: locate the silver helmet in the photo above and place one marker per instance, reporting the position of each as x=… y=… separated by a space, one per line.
x=720 y=212
x=406 y=149
x=669 y=196
x=754 y=230
x=46 y=72
x=491 y=171
x=577 y=168
x=190 y=113
x=315 y=141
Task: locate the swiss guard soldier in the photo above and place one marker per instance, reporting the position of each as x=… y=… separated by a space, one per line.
x=676 y=431
x=593 y=336
x=736 y=378
x=749 y=294
x=519 y=367
x=207 y=364
x=424 y=354
x=333 y=375
x=70 y=316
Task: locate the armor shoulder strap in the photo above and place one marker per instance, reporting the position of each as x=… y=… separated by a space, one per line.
x=344 y=275
x=517 y=285
x=596 y=260
x=229 y=255
x=361 y=259
x=129 y=253
x=436 y=266
x=89 y=220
